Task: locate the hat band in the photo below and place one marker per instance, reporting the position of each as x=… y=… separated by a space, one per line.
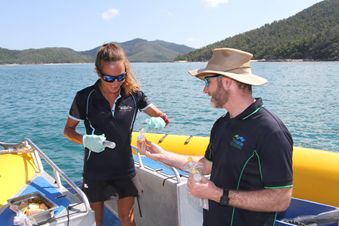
x=236 y=69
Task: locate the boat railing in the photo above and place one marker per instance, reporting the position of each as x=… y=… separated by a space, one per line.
x=37 y=155
x=175 y=171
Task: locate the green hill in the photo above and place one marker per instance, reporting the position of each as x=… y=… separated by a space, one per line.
x=41 y=56
x=138 y=50
x=312 y=34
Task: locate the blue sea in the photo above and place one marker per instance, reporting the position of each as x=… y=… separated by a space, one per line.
x=35 y=100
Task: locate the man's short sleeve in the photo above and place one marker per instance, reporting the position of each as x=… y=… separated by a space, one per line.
x=276 y=160
x=214 y=137
x=209 y=153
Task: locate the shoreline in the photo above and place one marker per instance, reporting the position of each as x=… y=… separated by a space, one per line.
x=181 y=61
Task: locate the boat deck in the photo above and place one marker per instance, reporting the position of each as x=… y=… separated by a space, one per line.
x=164 y=188
x=41 y=185
x=61 y=199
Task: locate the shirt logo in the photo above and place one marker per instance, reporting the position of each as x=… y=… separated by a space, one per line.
x=125 y=108
x=238 y=142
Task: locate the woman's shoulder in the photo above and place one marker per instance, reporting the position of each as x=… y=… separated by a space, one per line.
x=136 y=93
x=87 y=90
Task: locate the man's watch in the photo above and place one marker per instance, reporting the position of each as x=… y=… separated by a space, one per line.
x=224 y=198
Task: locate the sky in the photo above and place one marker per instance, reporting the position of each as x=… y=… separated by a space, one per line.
x=86 y=24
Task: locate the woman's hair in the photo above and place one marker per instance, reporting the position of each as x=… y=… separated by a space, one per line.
x=111 y=52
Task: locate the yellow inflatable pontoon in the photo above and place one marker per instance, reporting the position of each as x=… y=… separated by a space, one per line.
x=316 y=172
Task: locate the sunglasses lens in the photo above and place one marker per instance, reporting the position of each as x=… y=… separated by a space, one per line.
x=121 y=77
x=206 y=81
x=110 y=78
x=211 y=76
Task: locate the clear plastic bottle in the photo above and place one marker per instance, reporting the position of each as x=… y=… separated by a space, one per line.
x=141 y=135
x=152 y=123
x=195 y=169
x=196 y=175
x=141 y=140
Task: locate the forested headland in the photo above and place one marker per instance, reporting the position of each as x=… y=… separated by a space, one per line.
x=312 y=34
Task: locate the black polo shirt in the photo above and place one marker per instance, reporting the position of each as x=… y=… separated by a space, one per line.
x=117 y=124
x=252 y=151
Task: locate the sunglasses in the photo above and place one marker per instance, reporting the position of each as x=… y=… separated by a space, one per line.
x=211 y=76
x=111 y=78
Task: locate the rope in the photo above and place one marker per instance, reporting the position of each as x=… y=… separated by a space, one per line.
x=21 y=148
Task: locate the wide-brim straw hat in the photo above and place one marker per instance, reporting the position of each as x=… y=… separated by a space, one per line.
x=232 y=63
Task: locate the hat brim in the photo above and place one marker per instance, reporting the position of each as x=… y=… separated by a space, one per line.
x=247 y=78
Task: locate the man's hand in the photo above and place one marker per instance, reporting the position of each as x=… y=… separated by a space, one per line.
x=94 y=142
x=150 y=149
x=204 y=189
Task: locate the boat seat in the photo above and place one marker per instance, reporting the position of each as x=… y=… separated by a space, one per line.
x=16 y=171
x=38 y=184
x=300 y=207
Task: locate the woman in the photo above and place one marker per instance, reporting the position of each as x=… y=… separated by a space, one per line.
x=108 y=109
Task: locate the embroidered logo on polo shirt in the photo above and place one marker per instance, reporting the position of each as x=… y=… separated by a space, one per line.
x=237 y=142
x=125 y=108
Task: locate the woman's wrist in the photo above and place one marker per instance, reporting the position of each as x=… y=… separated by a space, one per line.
x=164 y=117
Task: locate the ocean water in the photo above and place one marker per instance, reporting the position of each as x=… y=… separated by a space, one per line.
x=35 y=99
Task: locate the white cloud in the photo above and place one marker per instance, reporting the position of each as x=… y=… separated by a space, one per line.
x=109 y=14
x=214 y=3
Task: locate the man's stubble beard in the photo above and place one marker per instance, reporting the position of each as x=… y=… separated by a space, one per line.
x=220 y=97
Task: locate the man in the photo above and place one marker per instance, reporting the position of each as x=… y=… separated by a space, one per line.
x=249 y=156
